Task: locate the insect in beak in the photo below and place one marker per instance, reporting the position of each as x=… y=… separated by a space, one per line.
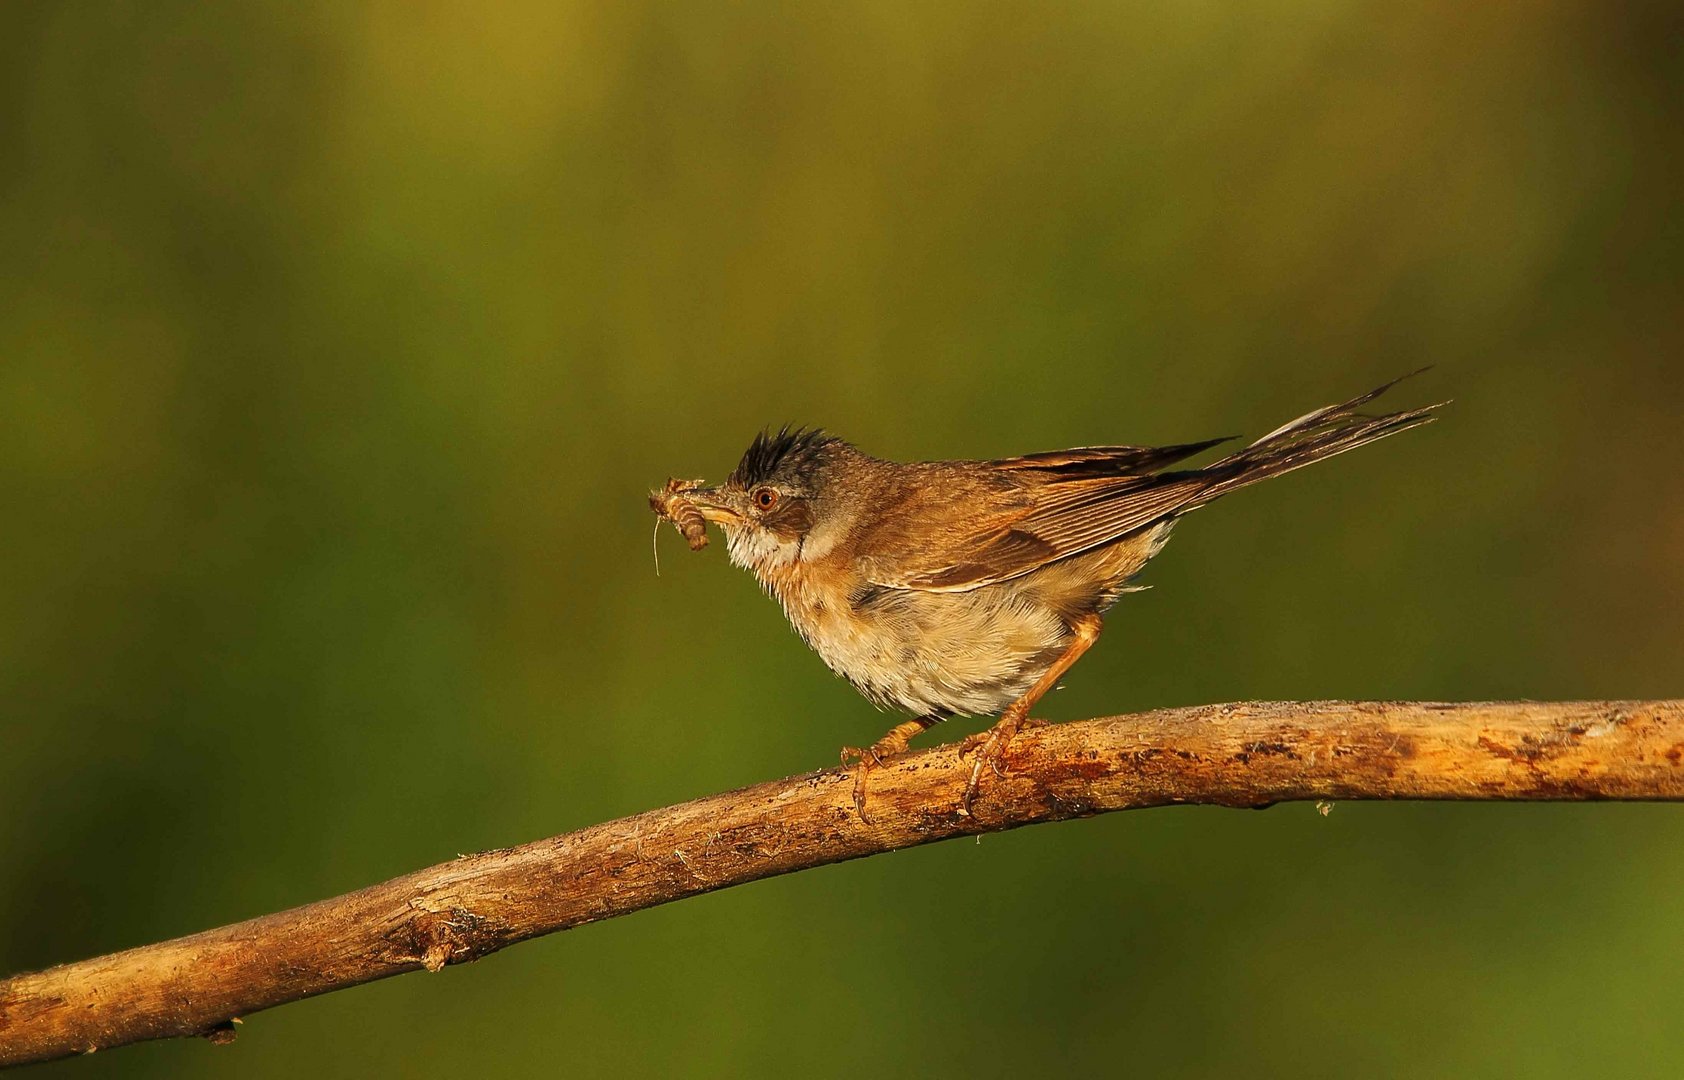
x=689 y=507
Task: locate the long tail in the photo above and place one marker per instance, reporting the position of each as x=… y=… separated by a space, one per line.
x=1310 y=438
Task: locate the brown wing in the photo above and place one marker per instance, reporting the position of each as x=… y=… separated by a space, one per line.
x=962 y=525
x=1106 y=460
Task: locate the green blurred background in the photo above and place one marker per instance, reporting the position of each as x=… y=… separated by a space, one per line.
x=340 y=343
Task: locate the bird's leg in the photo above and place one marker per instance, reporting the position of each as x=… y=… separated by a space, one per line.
x=888 y=746
x=990 y=746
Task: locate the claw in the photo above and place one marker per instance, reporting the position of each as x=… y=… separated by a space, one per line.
x=866 y=758
x=859 y=791
x=851 y=754
x=990 y=750
x=872 y=756
x=970 y=789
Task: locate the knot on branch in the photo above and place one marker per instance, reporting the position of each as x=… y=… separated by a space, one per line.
x=453 y=936
x=217 y=1034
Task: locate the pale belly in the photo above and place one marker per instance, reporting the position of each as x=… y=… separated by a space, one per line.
x=966 y=654
x=961 y=653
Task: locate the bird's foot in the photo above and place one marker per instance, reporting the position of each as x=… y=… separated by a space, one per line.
x=865 y=760
x=891 y=744
x=989 y=748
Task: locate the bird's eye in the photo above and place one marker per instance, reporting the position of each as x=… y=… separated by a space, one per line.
x=765 y=498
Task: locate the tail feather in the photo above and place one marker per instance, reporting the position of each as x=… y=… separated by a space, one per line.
x=1313 y=437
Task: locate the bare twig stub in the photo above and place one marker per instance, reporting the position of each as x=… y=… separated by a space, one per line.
x=1226 y=755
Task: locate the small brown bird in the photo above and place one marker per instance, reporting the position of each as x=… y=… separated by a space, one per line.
x=946 y=588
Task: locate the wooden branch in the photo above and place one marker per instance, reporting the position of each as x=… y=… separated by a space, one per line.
x=1225 y=755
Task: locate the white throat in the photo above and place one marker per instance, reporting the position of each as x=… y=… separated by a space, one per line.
x=759 y=551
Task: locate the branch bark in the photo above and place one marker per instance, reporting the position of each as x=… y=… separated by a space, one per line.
x=1247 y=755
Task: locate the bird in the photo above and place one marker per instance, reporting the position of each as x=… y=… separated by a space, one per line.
x=970 y=587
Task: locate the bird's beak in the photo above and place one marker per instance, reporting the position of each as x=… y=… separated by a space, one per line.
x=716 y=504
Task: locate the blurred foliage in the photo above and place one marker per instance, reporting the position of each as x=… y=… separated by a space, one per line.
x=339 y=344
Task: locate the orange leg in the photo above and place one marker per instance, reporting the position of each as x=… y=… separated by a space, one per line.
x=989 y=746
x=888 y=746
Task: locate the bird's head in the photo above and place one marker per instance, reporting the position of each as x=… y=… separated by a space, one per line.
x=779 y=506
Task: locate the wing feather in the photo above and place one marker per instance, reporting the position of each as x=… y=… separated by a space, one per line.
x=1108 y=461
x=963 y=525
x=1016 y=525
